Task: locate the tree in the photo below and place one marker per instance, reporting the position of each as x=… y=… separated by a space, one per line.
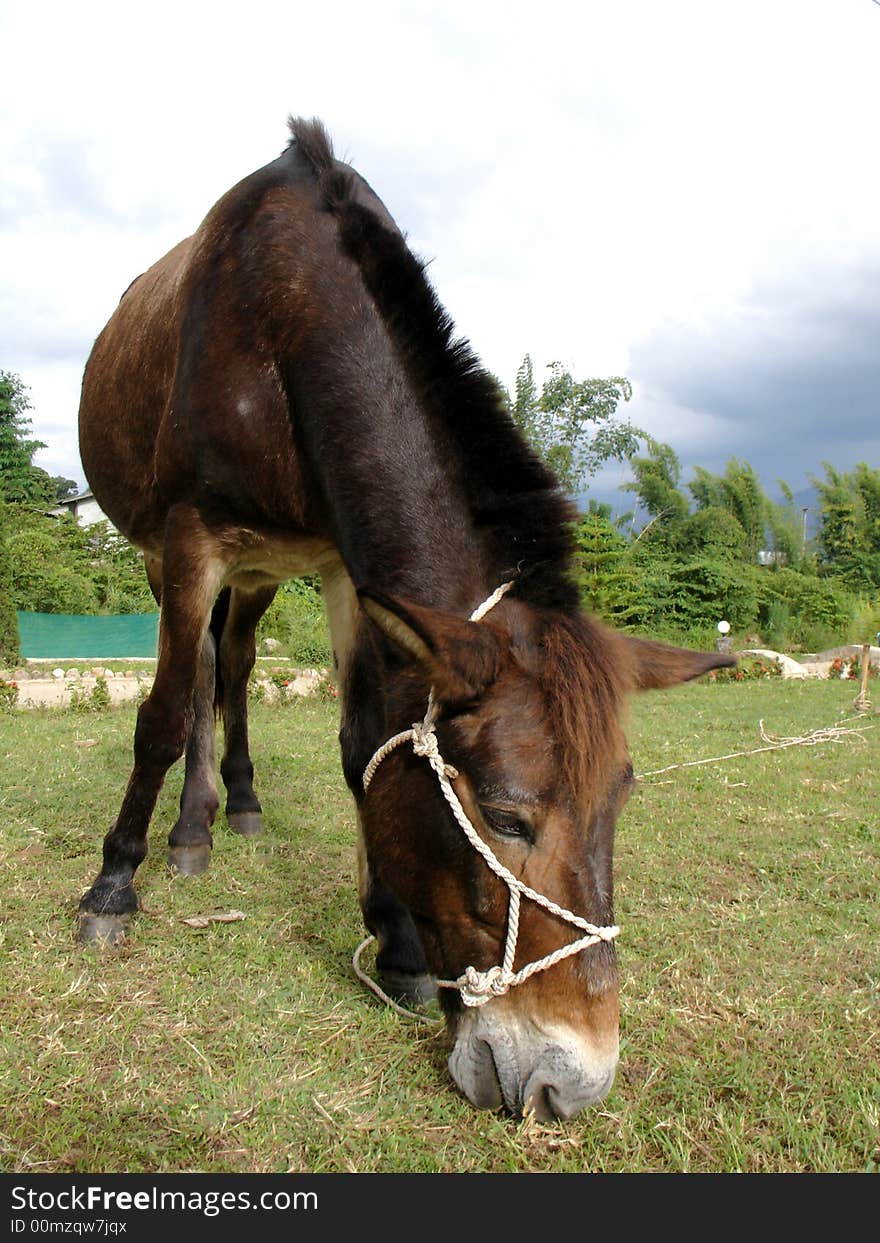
x=600 y=548
x=525 y=409
x=63 y=489
x=656 y=486
x=849 y=525
x=20 y=480
x=573 y=425
x=8 y=619
x=738 y=492
x=787 y=527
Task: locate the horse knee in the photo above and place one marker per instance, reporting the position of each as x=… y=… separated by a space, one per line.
x=159 y=736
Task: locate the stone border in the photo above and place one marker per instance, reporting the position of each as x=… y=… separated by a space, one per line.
x=60 y=689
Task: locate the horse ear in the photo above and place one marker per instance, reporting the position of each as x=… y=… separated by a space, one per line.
x=656 y=666
x=459 y=658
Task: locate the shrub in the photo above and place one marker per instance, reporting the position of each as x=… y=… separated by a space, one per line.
x=820 y=610
x=705 y=590
x=95 y=700
x=749 y=669
x=296 y=619
x=8 y=695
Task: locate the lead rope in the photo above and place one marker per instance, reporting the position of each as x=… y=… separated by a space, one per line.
x=478 y=987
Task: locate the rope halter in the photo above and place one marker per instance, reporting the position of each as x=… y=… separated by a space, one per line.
x=478 y=987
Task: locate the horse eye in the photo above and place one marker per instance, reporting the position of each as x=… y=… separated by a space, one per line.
x=506 y=823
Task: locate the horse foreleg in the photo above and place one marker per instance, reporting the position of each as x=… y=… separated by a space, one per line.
x=192 y=571
x=237 y=655
x=190 y=842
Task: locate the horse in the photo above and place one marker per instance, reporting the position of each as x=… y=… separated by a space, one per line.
x=283 y=394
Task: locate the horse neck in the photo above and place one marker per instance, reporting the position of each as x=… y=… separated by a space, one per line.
x=390 y=485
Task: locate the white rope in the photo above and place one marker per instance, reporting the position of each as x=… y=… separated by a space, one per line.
x=379 y=991
x=828 y=733
x=489 y=603
x=478 y=987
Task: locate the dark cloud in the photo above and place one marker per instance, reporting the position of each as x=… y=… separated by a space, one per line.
x=789 y=379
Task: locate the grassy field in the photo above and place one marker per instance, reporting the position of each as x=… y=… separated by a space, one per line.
x=750 y=957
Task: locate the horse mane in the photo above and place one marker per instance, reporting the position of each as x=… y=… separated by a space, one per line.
x=515 y=499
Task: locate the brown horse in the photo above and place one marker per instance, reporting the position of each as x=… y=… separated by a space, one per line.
x=281 y=394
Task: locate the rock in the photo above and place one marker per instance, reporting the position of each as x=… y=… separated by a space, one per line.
x=848 y=651
x=71 y=675
x=57 y=673
x=270 y=646
x=790 y=668
x=817 y=668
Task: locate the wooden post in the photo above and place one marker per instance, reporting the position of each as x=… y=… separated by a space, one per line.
x=861 y=703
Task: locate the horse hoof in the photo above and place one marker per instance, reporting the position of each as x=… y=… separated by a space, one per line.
x=102 y=930
x=189 y=860
x=416 y=990
x=246 y=823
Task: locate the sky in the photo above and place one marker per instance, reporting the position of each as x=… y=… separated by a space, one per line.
x=682 y=192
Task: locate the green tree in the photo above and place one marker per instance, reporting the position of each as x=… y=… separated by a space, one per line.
x=526 y=409
x=8 y=620
x=20 y=480
x=573 y=424
x=656 y=486
x=849 y=525
x=600 y=547
x=738 y=492
x=714 y=532
x=62 y=488
x=51 y=568
x=786 y=526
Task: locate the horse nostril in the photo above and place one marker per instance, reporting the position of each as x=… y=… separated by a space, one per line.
x=554 y=1099
x=546 y=1105
x=473 y=1068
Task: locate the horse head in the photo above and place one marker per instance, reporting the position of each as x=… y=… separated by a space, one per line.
x=526 y=723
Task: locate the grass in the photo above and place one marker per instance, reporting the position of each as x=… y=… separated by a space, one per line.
x=746 y=891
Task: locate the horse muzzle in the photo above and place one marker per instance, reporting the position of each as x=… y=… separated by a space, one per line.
x=502 y=1059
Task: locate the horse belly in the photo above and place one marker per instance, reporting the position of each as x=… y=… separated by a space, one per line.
x=259 y=560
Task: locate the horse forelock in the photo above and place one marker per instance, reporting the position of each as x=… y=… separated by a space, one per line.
x=312 y=140
x=584 y=705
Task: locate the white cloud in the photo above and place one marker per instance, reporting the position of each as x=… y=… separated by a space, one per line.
x=586 y=177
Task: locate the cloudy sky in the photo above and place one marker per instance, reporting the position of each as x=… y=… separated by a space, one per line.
x=685 y=192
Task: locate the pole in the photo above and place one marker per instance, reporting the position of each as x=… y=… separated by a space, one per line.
x=861 y=700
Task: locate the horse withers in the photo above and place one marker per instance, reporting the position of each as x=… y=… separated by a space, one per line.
x=282 y=394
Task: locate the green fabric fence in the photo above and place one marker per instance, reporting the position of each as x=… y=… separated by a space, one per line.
x=61 y=636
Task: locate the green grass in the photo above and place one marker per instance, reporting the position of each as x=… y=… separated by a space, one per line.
x=746 y=891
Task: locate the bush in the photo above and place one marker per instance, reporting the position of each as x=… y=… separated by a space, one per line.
x=47 y=574
x=296 y=619
x=95 y=700
x=749 y=669
x=705 y=590
x=820 y=611
x=635 y=593
x=8 y=695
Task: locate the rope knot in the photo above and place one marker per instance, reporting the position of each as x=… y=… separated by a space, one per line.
x=425 y=744
x=478 y=987
x=424 y=740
